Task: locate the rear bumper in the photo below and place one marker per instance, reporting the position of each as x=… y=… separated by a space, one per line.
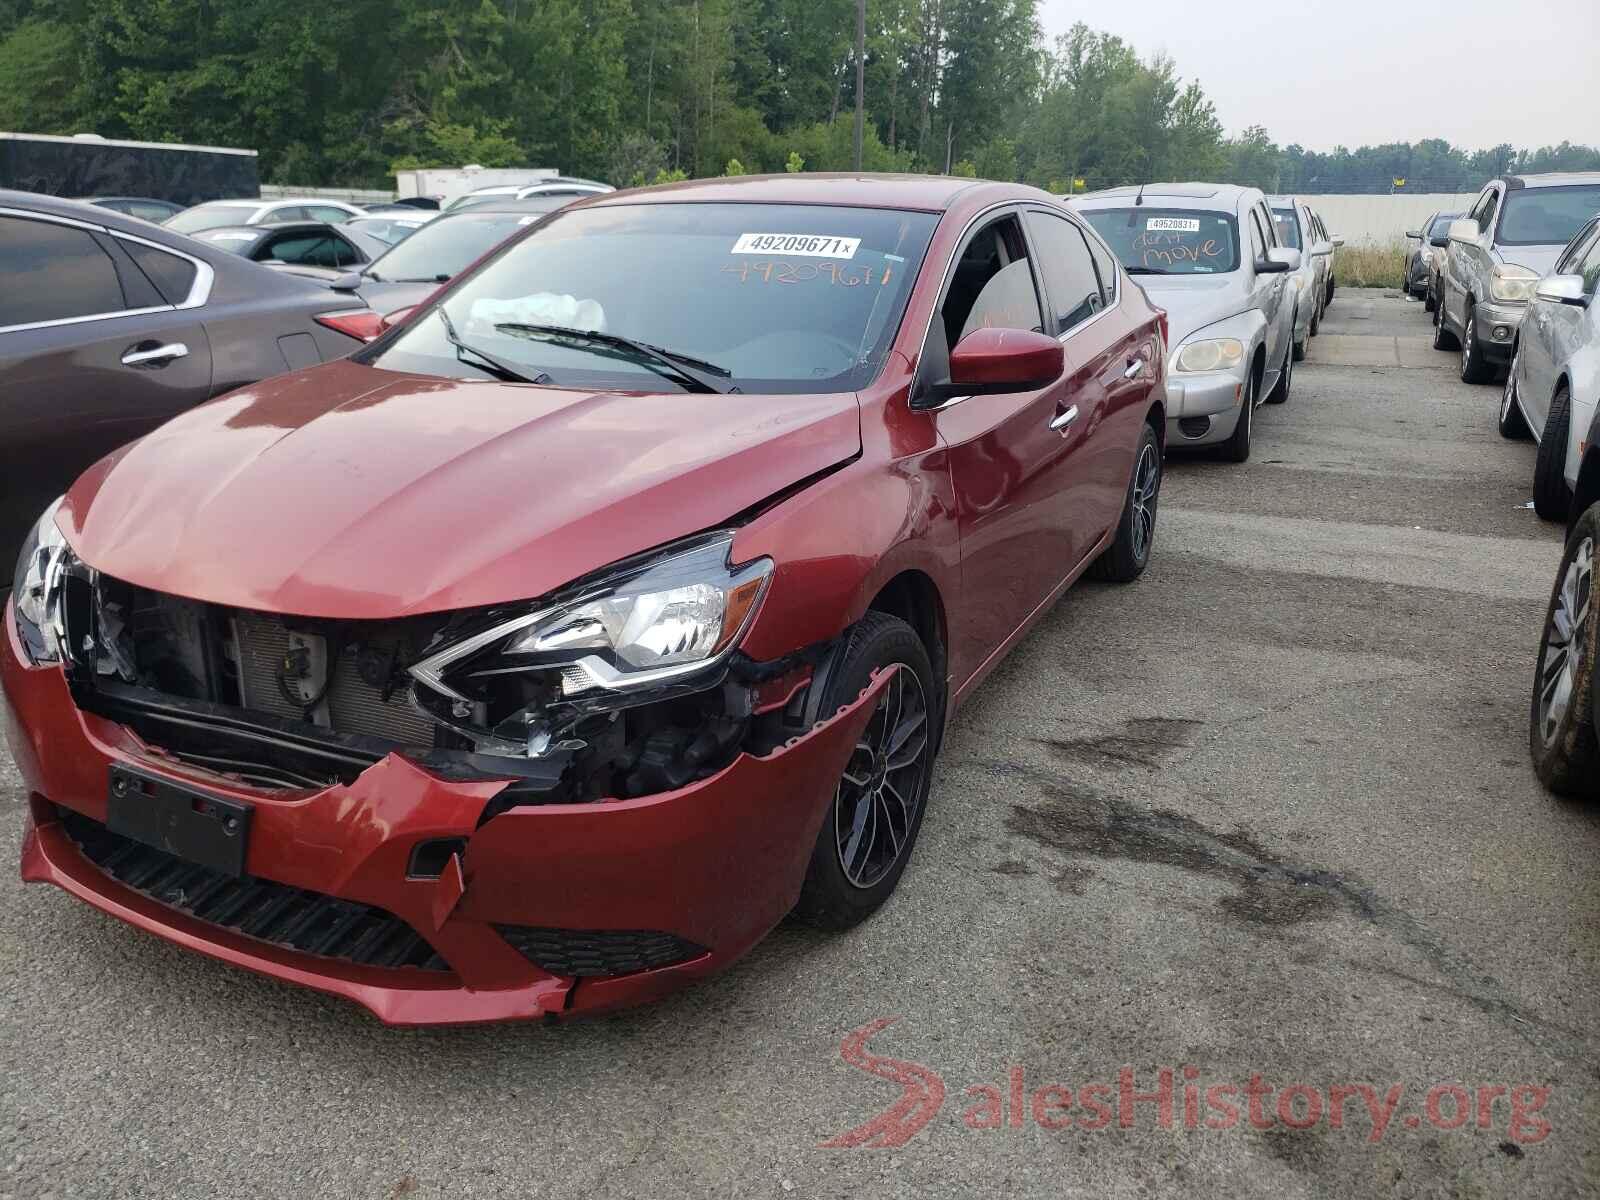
x=715 y=864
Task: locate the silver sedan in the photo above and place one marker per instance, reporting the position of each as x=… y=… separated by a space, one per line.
x=1553 y=387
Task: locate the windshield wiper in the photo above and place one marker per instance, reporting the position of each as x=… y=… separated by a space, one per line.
x=487 y=362
x=1147 y=271
x=691 y=372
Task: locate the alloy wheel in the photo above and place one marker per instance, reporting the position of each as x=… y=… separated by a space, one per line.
x=1509 y=397
x=1146 y=482
x=875 y=807
x=1467 y=337
x=1565 y=640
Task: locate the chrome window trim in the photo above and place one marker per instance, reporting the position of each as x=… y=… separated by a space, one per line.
x=199 y=291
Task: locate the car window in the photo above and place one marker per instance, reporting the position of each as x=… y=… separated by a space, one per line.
x=172 y=276
x=992 y=287
x=328 y=213
x=786 y=298
x=54 y=272
x=303 y=250
x=345 y=254
x=1069 y=275
x=287 y=215
x=1576 y=249
x=1258 y=241
x=1269 y=227
x=1169 y=241
x=1288 y=227
x=1105 y=264
x=1546 y=216
x=447 y=245
x=1590 y=269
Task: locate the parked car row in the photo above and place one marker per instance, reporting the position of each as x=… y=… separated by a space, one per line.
x=1512 y=288
x=541 y=654
x=1244 y=280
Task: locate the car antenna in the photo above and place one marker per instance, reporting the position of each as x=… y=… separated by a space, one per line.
x=1139 y=199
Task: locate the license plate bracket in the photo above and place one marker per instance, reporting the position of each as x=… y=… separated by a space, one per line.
x=182 y=821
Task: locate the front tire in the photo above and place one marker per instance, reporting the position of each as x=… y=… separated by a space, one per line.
x=1428 y=302
x=1475 y=368
x=871 y=825
x=1551 y=499
x=1237 y=447
x=1443 y=339
x=1513 y=425
x=1561 y=728
x=1129 y=553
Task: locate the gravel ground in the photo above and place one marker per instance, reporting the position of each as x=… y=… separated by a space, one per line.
x=1266 y=812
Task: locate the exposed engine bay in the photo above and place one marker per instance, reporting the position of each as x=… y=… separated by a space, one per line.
x=290 y=702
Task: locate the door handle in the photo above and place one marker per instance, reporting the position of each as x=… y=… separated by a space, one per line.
x=155 y=356
x=1062 y=420
x=1135 y=365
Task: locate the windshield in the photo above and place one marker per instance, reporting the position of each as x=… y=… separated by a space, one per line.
x=1288 y=227
x=444 y=246
x=1169 y=241
x=1546 y=216
x=210 y=216
x=777 y=297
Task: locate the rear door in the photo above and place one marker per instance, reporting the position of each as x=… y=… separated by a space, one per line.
x=1013 y=473
x=93 y=352
x=1107 y=363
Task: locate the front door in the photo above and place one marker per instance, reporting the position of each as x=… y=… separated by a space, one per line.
x=1013 y=458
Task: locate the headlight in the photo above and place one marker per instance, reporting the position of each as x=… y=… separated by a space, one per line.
x=1512 y=284
x=36 y=588
x=1216 y=354
x=645 y=624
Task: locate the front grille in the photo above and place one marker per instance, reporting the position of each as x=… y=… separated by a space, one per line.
x=354 y=705
x=598 y=952
x=287 y=916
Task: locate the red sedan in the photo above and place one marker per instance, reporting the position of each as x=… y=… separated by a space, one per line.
x=544 y=654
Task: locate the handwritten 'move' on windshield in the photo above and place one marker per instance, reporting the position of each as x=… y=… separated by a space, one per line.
x=1164 y=249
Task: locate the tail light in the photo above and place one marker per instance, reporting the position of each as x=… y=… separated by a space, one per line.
x=360 y=323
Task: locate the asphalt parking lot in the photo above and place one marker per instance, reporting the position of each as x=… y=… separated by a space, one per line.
x=1267 y=812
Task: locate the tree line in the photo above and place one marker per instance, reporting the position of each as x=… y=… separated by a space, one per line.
x=632 y=91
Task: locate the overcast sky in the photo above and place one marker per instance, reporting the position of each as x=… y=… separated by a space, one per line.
x=1370 y=71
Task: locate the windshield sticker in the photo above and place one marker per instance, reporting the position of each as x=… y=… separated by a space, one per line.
x=812 y=245
x=1172 y=225
x=859 y=275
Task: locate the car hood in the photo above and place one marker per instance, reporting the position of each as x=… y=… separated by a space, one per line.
x=347 y=491
x=1194 y=301
x=1541 y=260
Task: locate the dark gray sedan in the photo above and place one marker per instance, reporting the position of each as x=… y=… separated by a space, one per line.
x=109 y=326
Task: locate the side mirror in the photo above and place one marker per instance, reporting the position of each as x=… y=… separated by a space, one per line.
x=995 y=361
x=1463 y=229
x=1337 y=241
x=1439 y=241
x=1414 y=233
x=1562 y=289
x=350 y=281
x=1318 y=249
x=1287 y=255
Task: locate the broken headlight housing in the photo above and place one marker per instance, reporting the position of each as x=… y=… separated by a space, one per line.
x=36 y=589
x=664 y=622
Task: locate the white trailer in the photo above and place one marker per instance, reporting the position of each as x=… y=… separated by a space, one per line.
x=444 y=184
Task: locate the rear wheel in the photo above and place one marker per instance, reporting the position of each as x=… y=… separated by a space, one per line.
x=872 y=824
x=1551 y=499
x=1428 y=302
x=1316 y=318
x=1475 y=368
x=1237 y=447
x=1561 y=728
x=1126 y=558
x=1513 y=424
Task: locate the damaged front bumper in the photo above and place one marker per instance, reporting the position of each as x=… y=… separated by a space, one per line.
x=688 y=879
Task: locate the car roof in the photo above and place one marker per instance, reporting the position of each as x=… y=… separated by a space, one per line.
x=1551 y=179
x=1201 y=197
x=921 y=193
x=265 y=230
